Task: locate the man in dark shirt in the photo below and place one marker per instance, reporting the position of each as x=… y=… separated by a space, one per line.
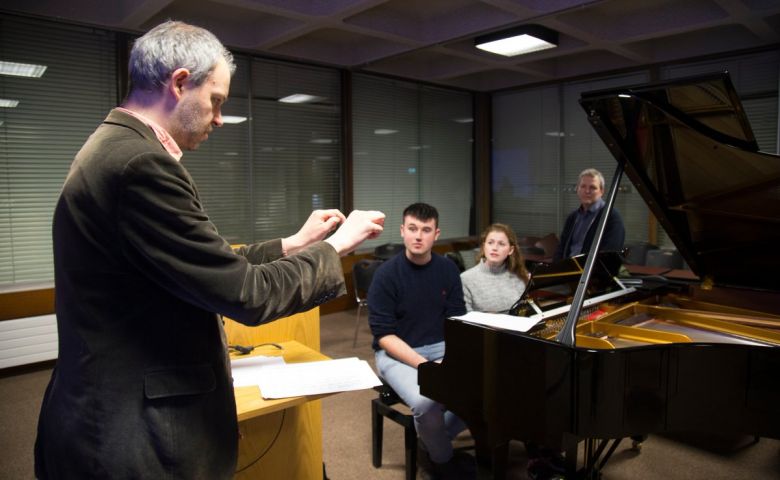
x=410 y=297
x=580 y=226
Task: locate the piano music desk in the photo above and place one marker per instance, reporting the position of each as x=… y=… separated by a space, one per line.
x=675 y=274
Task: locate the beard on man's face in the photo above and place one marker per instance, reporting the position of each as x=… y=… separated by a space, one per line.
x=192 y=127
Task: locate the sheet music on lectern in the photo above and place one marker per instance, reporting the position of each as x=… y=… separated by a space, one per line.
x=500 y=320
x=282 y=380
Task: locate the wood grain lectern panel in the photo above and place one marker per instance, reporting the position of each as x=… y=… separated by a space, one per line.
x=278 y=442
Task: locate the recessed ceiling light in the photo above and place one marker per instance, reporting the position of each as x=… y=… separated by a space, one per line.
x=233 y=119
x=518 y=40
x=301 y=98
x=21 y=69
x=384 y=131
x=5 y=103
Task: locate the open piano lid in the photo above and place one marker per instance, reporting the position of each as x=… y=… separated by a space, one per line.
x=690 y=152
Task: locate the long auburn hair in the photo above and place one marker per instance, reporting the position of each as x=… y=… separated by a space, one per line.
x=515 y=262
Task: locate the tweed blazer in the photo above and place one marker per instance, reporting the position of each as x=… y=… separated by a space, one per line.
x=142 y=385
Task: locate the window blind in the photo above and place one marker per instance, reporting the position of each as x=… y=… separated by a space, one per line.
x=296 y=160
x=221 y=166
x=261 y=179
x=541 y=142
x=39 y=138
x=412 y=143
x=525 y=161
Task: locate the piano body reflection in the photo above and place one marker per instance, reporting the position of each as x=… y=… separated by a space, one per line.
x=646 y=355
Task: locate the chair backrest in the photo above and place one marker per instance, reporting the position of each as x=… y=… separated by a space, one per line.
x=469 y=257
x=362 y=274
x=664 y=258
x=388 y=250
x=539 y=251
x=457 y=258
x=636 y=253
x=528 y=241
x=548 y=243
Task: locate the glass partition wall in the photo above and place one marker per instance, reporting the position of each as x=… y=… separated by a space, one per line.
x=412 y=143
x=542 y=141
x=278 y=156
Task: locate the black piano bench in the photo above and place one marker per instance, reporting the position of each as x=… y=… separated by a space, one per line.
x=382 y=407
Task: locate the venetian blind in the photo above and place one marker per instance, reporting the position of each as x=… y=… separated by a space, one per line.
x=412 y=143
x=221 y=166
x=525 y=161
x=541 y=142
x=296 y=147
x=261 y=178
x=41 y=135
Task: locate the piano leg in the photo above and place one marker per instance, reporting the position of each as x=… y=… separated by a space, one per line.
x=492 y=453
x=491 y=457
x=570 y=446
x=636 y=442
x=595 y=456
x=492 y=462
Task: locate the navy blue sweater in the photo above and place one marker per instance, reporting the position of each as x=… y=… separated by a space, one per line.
x=412 y=301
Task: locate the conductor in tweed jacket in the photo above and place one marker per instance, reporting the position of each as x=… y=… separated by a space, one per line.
x=142 y=387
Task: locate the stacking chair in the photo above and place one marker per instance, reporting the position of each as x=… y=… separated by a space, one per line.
x=457 y=259
x=528 y=241
x=548 y=244
x=388 y=250
x=636 y=253
x=664 y=258
x=537 y=251
x=362 y=274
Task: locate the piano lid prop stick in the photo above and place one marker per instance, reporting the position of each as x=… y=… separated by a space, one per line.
x=566 y=335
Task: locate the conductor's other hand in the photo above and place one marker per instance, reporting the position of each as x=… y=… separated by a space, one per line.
x=319 y=224
x=359 y=226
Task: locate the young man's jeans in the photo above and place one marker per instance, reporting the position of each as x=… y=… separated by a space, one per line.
x=435 y=425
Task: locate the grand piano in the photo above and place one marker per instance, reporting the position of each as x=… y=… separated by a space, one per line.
x=615 y=357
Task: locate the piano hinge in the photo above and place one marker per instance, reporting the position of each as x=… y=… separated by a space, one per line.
x=707 y=283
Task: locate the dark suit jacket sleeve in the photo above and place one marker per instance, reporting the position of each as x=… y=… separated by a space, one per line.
x=614 y=233
x=259 y=253
x=565 y=237
x=166 y=234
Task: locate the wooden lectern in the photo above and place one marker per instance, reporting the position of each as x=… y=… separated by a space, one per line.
x=280 y=438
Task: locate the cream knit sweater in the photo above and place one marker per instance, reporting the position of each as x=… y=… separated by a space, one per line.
x=487 y=289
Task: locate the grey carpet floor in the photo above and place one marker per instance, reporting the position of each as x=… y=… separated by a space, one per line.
x=347 y=436
x=347 y=432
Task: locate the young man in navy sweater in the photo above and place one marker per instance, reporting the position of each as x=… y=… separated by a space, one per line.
x=410 y=297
